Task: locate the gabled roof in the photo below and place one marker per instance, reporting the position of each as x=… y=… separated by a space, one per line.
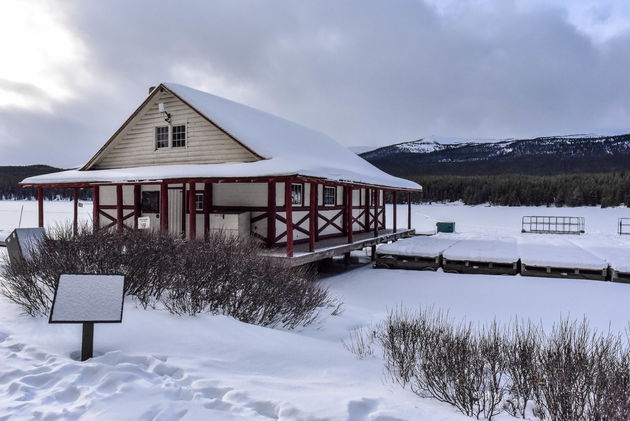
x=286 y=148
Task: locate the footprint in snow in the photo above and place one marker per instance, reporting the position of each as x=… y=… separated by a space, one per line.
x=359 y=410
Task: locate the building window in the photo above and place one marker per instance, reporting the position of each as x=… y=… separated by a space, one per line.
x=179 y=136
x=199 y=201
x=161 y=137
x=297 y=198
x=150 y=202
x=330 y=194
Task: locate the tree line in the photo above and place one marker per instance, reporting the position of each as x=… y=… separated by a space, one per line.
x=11 y=176
x=586 y=189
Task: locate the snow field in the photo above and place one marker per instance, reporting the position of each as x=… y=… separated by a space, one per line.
x=156 y=366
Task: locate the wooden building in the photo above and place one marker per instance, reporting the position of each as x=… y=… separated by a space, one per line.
x=188 y=162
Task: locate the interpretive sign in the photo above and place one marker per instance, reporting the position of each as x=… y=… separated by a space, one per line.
x=88 y=299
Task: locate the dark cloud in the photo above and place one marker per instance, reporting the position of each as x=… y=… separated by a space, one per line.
x=365 y=72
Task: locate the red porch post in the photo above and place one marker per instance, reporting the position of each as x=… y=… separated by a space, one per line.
x=192 y=211
x=376 y=205
x=207 y=203
x=164 y=207
x=316 y=211
x=119 y=207
x=137 y=208
x=75 y=213
x=271 y=213
x=95 y=208
x=367 y=209
x=408 y=210
x=394 y=209
x=312 y=217
x=40 y=207
x=384 y=208
x=289 y=216
x=344 y=220
x=349 y=213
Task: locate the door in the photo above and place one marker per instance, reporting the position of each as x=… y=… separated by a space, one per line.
x=175 y=203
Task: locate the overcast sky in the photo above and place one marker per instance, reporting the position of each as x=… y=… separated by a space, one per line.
x=364 y=72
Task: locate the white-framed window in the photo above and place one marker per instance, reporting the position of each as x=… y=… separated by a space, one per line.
x=297 y=194
x=161 y=137
x=179 y=136
x=330 y=195
x=199 y=201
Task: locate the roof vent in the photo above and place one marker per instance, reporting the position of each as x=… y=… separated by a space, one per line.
x=151 y=89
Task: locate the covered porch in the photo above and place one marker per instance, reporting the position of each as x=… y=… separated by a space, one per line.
x=311 y=230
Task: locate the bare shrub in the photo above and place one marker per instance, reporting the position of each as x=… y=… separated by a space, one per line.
x=225 y=274
x=521 y=349
x=401 y=337
x=609 y=397
x=571 y=374
x=565 y=372
x=452 y=364
x=361 y=342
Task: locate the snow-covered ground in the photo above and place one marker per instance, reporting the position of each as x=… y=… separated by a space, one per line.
x=155 y=366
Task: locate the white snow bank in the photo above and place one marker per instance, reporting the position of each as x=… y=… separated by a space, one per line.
x=500 y=250
x=557 y=252
x=421 y=246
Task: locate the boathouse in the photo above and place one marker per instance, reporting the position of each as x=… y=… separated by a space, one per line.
x=188 y=162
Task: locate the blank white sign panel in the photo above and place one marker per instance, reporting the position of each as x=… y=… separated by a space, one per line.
x=88 y=298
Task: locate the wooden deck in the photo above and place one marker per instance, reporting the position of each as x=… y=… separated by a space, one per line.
x=330 y=247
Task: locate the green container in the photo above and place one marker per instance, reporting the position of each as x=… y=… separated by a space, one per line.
x=445 y=226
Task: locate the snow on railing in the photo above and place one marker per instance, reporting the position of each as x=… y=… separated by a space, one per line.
x=553 y=224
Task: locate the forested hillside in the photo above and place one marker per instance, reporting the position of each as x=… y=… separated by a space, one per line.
x=10 y=189
x=553 y=171
x=606 y=189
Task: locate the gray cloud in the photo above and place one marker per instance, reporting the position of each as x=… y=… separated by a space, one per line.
x=368 y=72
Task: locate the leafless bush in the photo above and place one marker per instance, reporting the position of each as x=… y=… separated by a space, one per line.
x=225 y=274
x=521 y=348
x=452 y=364
x=361 y=342
x=572 y=373
x=564 y=372
x=401 y=337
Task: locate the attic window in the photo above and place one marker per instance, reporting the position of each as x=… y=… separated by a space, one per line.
x=161 y=137
x=179 y=136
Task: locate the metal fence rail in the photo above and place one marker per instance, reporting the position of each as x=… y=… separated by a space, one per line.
x=623 y=226
x=553 y=224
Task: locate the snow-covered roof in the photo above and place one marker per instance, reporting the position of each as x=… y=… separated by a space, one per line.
x=287 y=148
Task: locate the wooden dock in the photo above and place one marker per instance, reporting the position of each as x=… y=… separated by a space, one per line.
x=330 y=247
x=560 y=272
x=481 y=267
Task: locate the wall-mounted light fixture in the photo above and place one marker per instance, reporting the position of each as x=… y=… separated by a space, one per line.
x=167 y=116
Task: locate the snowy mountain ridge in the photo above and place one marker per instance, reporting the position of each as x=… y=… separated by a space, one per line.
x=541 y=155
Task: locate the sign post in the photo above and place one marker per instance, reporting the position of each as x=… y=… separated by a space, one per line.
x=88 y=299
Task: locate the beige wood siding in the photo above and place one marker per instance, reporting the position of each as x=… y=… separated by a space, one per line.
x=205 y=143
